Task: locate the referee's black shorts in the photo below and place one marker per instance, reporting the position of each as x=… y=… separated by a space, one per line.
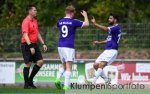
x=28 y=57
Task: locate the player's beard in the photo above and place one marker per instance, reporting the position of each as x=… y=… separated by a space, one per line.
x=111 y=23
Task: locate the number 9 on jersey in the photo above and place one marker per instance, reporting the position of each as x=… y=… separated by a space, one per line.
x=64 y=30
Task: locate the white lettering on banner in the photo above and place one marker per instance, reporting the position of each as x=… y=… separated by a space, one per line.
x=50 y=70
x=53 y=73
x=46 y=74
x=139 y=77
x=125 y=76
x=50 y=67
x=74 y=74
x=46 y=67
x=121 y=67
x=74 y=67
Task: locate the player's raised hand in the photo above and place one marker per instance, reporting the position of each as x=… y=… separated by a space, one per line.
x=86 y=20
x=93 y=20
x=95 y=42
x=84 y=13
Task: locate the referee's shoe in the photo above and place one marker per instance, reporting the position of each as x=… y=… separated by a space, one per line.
x=32 y=85
x=29 y=85
x=26 y=86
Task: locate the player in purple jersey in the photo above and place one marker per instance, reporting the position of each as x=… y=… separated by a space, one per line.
x=111 y=46
x=67 y=27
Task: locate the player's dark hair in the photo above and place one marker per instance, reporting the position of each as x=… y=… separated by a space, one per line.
x=116 y=16
x=29 y=7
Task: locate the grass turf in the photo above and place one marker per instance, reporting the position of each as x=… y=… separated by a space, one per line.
x=20 y=90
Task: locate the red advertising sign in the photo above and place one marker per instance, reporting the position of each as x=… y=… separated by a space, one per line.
x=133 y=72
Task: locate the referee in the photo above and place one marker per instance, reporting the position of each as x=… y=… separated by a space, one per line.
x=30 y=49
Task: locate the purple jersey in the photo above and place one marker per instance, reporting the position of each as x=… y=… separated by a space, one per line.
x=113 y=37
x=67 y=27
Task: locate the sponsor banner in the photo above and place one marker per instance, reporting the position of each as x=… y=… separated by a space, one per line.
x=112 y=73
x=7 y=72
x=82 y=72
x=143 y=67
x=109 y=71
x=133 y=72
x=122 y=72
x=48 y=72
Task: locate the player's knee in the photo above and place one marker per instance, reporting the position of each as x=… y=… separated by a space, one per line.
x=102 y=64
x=28 y=64
x=68 y=68
x=40 y=63
x=63 y=66
x=95 y=66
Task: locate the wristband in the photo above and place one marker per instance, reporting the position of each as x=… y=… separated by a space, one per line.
x=30 y=46
x=44 y=44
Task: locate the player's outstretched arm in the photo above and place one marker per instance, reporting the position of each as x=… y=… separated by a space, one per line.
x=86 y=21
x=99 y=26
x=99 y=42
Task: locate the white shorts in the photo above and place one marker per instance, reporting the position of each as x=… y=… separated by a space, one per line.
x=108 y=56
x=66 y=54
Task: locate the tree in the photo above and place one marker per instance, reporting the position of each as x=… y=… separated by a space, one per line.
x=12 y=12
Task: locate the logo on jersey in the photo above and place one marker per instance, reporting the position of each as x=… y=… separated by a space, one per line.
x=109 y=38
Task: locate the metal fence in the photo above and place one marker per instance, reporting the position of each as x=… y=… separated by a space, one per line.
x=134 y=36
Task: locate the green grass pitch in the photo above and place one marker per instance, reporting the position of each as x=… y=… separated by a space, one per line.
x=20 y=90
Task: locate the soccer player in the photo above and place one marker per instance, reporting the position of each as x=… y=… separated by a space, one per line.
x=111 y=46
x=67 y=27
x=30 y=49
